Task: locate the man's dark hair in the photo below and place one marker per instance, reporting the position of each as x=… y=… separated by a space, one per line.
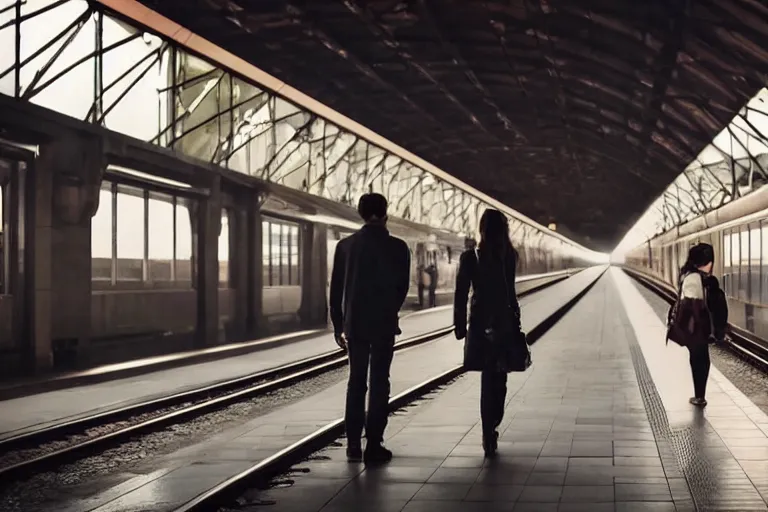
x=372 y=205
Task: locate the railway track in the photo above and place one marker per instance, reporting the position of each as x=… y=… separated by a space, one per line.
x=170 y=410
x=282 y=461
x=739 y=341
x=33 y=453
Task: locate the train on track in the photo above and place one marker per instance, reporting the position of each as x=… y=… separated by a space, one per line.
x=539 y=252
x=738 y=232
x=146 y=303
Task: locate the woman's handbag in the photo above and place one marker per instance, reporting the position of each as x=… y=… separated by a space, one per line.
x=514 y=346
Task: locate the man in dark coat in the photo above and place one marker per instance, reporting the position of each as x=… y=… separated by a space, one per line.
x=369 y=284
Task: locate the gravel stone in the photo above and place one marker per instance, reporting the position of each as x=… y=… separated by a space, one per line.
x=89 y=475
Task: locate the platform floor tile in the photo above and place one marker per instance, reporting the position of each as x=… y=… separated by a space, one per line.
x=576 y=437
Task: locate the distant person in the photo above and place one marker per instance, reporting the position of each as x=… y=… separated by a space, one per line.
x=700 y=316
x=369 y=283
x=489 y=270
x=431 y=271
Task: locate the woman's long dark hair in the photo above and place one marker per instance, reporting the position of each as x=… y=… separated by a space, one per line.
x=698 y=256
x=494 y=235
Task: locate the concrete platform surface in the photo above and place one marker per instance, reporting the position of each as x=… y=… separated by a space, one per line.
x=175 y=479
x=600 y=423
x=32 y=412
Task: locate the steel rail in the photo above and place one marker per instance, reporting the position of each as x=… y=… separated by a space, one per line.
x=283 y=460
x=739 y=341
x=209 y=398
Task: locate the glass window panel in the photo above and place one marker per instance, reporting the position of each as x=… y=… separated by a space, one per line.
x=160 y=237
x=763 y=263
x=274 y=276
x=744 y=249
x=285 y=241
x=754 y=263
x=8 y=55
x=727 y=267
x=4 y=249
x=265 y=259
x=142 y=111
x=295 y=270
x=101 y=236
x=72 y=93
x=735 y=251
x=130 y=233
x=183 y=243
x=744 y=265
x=224 y=250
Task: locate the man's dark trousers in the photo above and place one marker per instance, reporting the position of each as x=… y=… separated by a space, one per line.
x=379 y=353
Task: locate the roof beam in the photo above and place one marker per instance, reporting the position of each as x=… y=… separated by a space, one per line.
x=384 y=34
x=313 y=30
x=665 y=67
x=458 y=60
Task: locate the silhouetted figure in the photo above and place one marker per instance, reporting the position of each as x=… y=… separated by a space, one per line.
x=700 y=315
x=431 y=271
x=369 y=284
x=490 y=272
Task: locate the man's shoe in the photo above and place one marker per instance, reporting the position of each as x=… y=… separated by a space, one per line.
x=491 y=444
x=377 y=454
x=698 y=402
x=354 y=452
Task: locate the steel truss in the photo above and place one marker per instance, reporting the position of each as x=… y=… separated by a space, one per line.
x=732 y=166
x=121 y=73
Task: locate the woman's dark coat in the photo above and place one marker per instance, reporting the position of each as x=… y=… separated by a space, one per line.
x=492 y=303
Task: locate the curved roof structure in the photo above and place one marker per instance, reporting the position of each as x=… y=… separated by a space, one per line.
x=577 y=112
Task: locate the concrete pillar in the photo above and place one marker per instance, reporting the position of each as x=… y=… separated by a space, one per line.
x=239 y=259
x=207 y=224
x=313 y=311
x=64 y=196
x=255 y=276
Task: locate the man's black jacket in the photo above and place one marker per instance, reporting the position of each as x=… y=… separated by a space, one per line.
x=369 y=283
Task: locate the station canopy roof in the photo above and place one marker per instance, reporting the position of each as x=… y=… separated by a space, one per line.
x=573 y=112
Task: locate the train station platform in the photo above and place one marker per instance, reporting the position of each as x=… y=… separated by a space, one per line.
x=36 y=411
x=170 y=480
x=600 y=423
x=43 y=409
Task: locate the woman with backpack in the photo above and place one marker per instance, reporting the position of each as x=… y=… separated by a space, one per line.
x=700 y=315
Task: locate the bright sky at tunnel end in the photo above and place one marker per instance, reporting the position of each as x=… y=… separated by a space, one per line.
x=650 y=222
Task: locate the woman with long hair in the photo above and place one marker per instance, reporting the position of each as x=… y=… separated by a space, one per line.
x=701 y=314
x=489 y=270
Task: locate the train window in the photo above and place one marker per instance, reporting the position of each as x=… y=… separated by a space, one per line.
x=735 y=258
x=727 y=262
x=265 y=254
x=160 y=249
x=285 y=254
x=102 y=236
x=744 y=265
x=138 y=235
x=294 y=245
x=755 y=246
x=182 y=248
x=764 y=262
x=281 y=253
x=224 y=263
x=130 y=214
x=275 y=231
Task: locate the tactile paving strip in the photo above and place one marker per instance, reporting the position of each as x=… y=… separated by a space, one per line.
x=680 y=448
